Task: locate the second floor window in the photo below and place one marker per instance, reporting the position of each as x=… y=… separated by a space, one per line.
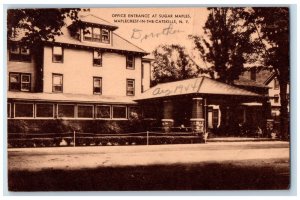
x=97 y=60
x=276 y=98
x=57 y=83
x=130 y=62
x=97 y=85
x=130 y=87
x=276 y=84
x=19 y=53
x=19 y=82
x=57 y=54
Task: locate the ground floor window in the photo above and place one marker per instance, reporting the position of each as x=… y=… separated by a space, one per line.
x=85 y=111
x=103 y=112
x=66 y=110
x=119 y=112
x=44 y=110
x=24 y=110
x=133 y=112
x=8 y=110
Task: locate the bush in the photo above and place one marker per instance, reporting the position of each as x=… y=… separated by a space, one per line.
x=17 y=126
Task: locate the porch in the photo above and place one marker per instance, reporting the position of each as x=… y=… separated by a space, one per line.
x=205 y=105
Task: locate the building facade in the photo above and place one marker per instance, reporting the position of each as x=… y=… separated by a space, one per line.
x=89 y=72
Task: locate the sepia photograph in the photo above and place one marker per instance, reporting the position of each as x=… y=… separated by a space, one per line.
x=148 y=99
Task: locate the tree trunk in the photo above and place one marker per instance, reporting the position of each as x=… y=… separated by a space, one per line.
x=284 y=116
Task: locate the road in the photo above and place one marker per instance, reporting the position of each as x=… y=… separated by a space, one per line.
x=268 y=161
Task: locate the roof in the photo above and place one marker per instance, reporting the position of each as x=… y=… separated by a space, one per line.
x=249 y=83
x=201 y=85
x=262 y=76
x=92 y=19
x=118 y=42
x=66 y=97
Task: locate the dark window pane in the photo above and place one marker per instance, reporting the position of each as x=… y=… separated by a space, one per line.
x=119 y=112
x=149 y=111
x=66 y=111
x=25 y=86
x=23 y=110
x=103 y=111
x=85 y=111
x=97 y=62
x=44 y=110
x=57 y=58
x=8 y=110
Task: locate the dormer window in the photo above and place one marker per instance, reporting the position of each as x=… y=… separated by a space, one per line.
x=96 y=34
x=105 y=36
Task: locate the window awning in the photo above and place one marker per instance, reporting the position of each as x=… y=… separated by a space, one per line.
x=202 y=85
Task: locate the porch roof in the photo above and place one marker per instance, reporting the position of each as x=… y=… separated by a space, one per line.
x=67 y=97
x=200 y=85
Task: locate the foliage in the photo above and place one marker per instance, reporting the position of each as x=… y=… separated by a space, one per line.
x=273 y=27
x=38 y=25
x=228 y=43
x=104 y=141
x=172 y=62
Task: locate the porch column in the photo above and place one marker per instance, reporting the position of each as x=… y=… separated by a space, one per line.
x=167 y=121
x=197 y=120
x=269 y=122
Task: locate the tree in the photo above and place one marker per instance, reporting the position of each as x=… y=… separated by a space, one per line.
x=227 y=44
x=273 y=27
x=33 y=26
x=172 y=63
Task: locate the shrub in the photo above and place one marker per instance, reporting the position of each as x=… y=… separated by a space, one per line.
x=17 y=126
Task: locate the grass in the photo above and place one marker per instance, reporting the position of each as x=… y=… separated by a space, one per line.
x=241 y=175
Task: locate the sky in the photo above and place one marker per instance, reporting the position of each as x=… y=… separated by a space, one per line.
x=150 y=27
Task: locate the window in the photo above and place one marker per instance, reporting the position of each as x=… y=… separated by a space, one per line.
x=105 y=36
x=253 y=74
x=276 y=84
x=23 y=110
x=8 y=110
x=119 y=112
x=96 y=34
x=25 y=82
x=97 y=60
x=103 y=112
x=65 y=110
x=57 y=54
x=130 y=87
x=276 y=98
x=133 y=112
x=19 y=53
x=19 y=82
x=130 y=62
x=44 y=110
x=57 y=83
x=97 y=85
x=85 y=111
x=88 y=32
